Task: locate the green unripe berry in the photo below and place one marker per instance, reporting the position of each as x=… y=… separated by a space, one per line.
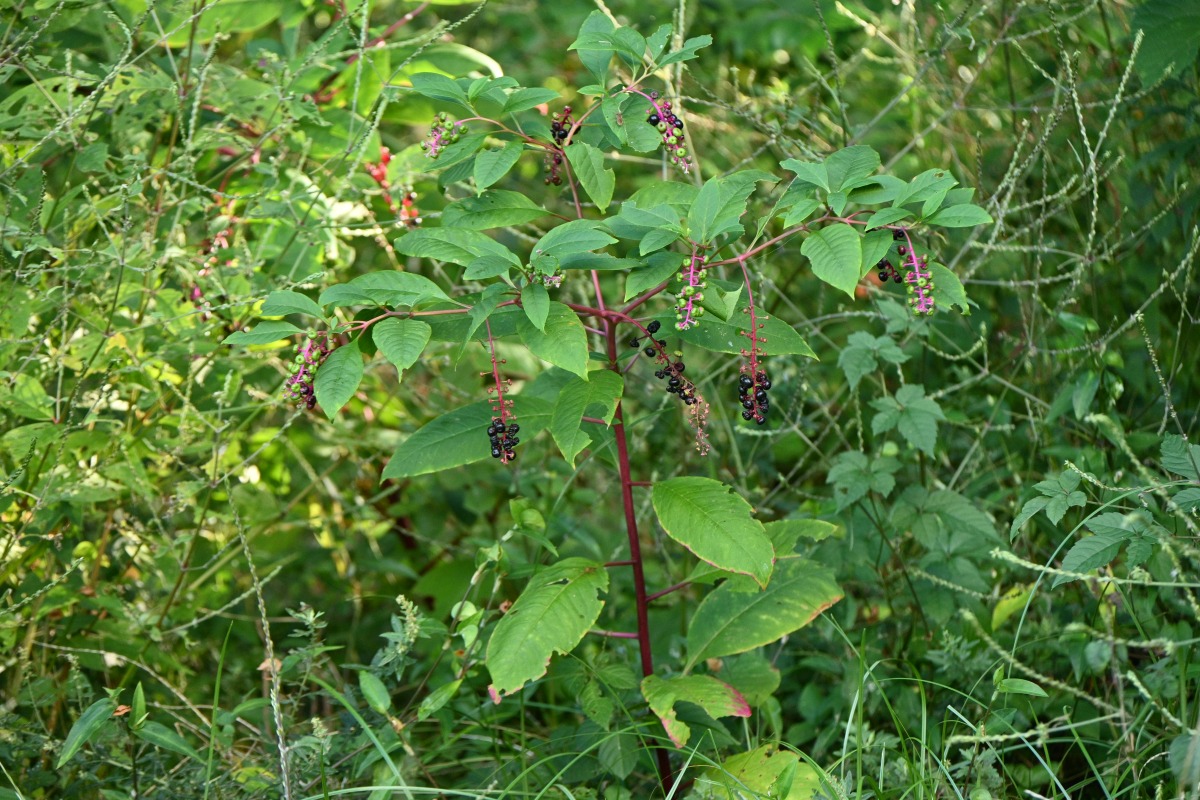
x=698 y=311
x=681 y=152
x=662 y=127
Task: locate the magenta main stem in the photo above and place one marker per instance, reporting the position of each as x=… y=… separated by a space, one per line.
x=666 y=778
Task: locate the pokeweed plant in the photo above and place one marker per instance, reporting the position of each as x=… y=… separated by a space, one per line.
x=604 y=289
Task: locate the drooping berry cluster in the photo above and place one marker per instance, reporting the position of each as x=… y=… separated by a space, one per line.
x=314 y=350
x=888 y=272
x=671 y=127
x=694 y=278
x=408 y=212
x=918 y=281
x=503 y=439
x=560 y=129
x=670 y=368
x=752 y=391
x=443 y=132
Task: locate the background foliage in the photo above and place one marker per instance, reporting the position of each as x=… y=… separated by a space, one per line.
x=1009 y=495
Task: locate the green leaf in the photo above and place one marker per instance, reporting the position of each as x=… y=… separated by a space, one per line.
x=631 y=45
x=863 y=352
x=374 y=692
x=1019 y=686
x=688 y=51
x=910 y=412
x=1172 y=38
x=853 y=475
x=847 y=167
x=263 y=333
x=390 y=289
x=160 y=735
x=1188 y=499
x=808 y=172
x=448 y=244
x=595 y=61
x=1028 y=511
x=924 y=186
x=492 y=165
x=659 y=268
x=702 y=216
x=487 y=267
x=1092 y=552
x=836 y=255
x=785 y=533
x=1180 y=457
x=338 y=378
x=720 y=336
x=731 y=621
x=401 y=340
x=799 y=212
x=604 y=388
x=536 y=302
x=715 y=524
x=562 y=342
x=455 y=438
x=948 y=289
x=587 y=163
x=766 y=771
x=88 y=725
x=960 y=216
x=436 y=86
x=887 y=216
x=717 y=698
x=279 y=304
x=576 y=236
x=555 y=610
x=437 y=699
x=619 y=752
x=525 y=99
x=875 y=245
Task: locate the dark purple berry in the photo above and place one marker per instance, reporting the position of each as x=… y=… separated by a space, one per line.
x=634 y=342
x=497 y=422
x=760 y=395
x=660 y=374
x=650 y=351
x=510 y=455
x=513 y=427
x=652 y=119
x=512 y=441
x=745 y=381
x=495 y=440
x=678 y=123
x=653 y=326
x=748 y=403
x=760 y=419
x=674 y=382
x=747 y=415
x=679 y=367
x=764 y=383
x=495 y=452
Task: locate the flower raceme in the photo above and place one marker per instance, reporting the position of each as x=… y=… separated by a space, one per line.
x=299 y=387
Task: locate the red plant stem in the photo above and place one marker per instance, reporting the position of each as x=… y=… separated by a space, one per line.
x=619 y=564
x=665 y=776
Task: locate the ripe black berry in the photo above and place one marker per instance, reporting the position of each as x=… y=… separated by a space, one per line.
x=652 y=119
x=651 y=352
x=745 y=381
x=653 y=326
x=747 y=415
x=495 y=452
x=634 y=342
x=513 y=428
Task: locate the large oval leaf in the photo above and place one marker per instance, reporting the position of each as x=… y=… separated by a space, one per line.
x=338 y=378
x=836 y=255
x=706 y=517
x=563 y=342
x=459 y=438
x=552 y=615
x=717 y=698
x=401 y=340
x=731 y=621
